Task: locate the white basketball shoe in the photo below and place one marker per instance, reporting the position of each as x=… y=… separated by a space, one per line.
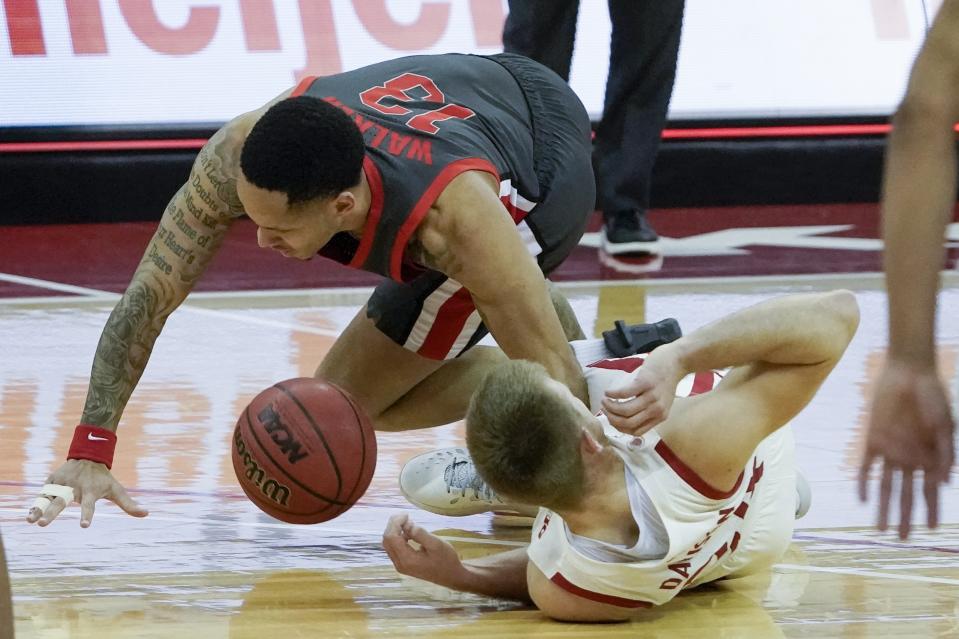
x=445 y=482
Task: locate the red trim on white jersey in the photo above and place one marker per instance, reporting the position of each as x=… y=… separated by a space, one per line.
x=690 y=476
x=702 y=382
x=612 y=600
x=422 y=207
x=373 y=219
x=303 y=86
x=627 y=364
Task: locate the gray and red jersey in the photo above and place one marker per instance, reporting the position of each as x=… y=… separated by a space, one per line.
x=425 y=120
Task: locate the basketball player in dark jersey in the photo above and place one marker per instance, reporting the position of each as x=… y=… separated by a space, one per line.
x=463 y=180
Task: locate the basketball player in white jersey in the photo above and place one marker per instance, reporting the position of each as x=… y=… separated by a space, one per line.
x=631 y=514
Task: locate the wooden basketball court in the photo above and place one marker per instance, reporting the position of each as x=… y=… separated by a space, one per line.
x=206 y=563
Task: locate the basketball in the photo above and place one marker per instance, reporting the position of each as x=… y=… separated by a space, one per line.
x=303 y=451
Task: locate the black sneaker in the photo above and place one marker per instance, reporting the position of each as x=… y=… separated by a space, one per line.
x=626 y=340
x=628 y=232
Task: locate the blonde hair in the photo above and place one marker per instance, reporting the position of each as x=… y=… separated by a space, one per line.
x=525 y=438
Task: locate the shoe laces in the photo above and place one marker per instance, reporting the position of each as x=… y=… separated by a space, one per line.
x=461 y=476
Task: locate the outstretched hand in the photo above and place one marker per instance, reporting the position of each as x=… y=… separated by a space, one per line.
x=644 y=401
x=90 y=482
x=432 y=559
x=910 y=429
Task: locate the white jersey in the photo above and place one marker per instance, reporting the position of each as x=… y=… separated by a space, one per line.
x=710 y=534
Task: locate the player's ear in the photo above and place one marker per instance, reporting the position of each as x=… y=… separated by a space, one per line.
x=344 y=203
x=588 y=445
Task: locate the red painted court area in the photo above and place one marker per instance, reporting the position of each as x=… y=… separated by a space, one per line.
x=697 y=243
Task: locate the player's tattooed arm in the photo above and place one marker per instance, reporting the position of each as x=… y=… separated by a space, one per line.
x=190 y=232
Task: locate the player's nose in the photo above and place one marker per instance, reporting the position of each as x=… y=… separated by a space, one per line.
x=264 y=238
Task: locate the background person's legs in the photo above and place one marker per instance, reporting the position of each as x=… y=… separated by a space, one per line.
x=642 y=68
x=543 y=30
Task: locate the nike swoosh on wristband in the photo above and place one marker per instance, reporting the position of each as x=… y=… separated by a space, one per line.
x=93 y=437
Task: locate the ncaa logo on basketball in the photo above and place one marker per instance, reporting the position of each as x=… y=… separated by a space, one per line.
x=281 y=434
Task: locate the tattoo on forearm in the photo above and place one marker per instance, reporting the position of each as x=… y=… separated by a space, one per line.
x=192 y=228
x=158 y=260
x=124 y=349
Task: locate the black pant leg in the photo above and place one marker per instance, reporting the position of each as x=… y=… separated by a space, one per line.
x=642 y=69
x=543 y=30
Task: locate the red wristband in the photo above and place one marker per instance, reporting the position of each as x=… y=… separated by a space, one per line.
x=93 y=443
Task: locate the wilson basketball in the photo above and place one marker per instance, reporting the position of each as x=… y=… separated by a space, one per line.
x=303 y=451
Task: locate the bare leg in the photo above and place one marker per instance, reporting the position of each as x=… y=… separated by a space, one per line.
x=444 y=396
x=401 y=390
x=565 y=313
x=373 y=368
x=397 y=388
x=6 y=600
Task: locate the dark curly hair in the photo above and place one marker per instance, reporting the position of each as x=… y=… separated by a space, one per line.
x=304 y=147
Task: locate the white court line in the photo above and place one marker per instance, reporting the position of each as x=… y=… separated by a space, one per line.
x=108 y=296
x=259 y=321
x=75 y=517
x=843 y=621
x=51 y=300
x=345 y=291
x=874 y=574
x=56 y=286
x=868 y=573
x=358 y=295
x=365 y=291
x=661 y=282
